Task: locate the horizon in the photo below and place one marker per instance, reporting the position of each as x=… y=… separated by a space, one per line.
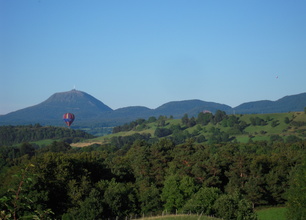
x=152 y=108
x=136 y=53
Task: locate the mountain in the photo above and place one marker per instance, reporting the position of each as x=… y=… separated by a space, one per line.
x=82 y=105
x=291 y=103
x=90 y=112
x=191 y=107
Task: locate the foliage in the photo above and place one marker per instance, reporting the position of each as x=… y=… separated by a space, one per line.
x=27 y=133
x=132 y=125
x=16 y=204
x=162 y=132
x=296 y=194
x=203 y=200
x=234 y=207
x=176 y=191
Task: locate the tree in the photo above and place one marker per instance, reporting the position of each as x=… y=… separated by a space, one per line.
x=219 y=116
x=185 y=120
x=177 y=191
x=201 y=138
x=161 y=121
x=27 y=148
x=90 y=208
x=274 y=123
x=287 y=120
x=151 y=119
x=204 y=118
x=257 y=121
x=192 y=122
x=120 y=198
x=171 y=194
x=149 y=196
x=296 y=194
x=17 y=204
x=162 y=132
x=234 y=207
x=203 y=200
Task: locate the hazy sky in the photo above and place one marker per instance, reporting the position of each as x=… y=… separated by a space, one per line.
x=149 y=52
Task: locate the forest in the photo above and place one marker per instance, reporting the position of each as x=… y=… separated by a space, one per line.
x=26 y=133
x=170 y=169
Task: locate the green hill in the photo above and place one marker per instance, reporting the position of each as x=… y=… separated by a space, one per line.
x=274 y=127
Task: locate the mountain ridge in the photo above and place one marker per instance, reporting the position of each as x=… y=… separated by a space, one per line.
x=287 y=103
x=90 y=111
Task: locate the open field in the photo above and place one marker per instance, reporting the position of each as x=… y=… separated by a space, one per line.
x=274 y=213
x=180 y=217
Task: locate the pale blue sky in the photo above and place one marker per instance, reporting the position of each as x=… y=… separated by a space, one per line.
x=149 y=52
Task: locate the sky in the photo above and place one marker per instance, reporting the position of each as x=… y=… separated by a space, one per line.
x=150 y=52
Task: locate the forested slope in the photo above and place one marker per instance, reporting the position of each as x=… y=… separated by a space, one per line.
x=26 y=133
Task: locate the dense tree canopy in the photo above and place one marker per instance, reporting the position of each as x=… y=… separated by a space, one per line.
x=16 y=134
x=151 y=177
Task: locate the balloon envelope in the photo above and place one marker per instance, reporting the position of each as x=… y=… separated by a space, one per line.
x=68 y=118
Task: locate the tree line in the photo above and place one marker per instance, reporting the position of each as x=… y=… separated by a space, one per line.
x=26 y=133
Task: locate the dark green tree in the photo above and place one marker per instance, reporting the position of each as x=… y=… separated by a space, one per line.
x=219 y=116
x=171 y=194
x=287 y=120
x=120 y=198
x=90 y=208
x=177 y=191
x=185 y=120
x=296 y=194
x=204 y=118
x=234 y=207
x=162 y=132
x=192 y=122
x=203 y=201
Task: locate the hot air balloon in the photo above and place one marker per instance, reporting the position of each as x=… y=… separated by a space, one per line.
x=68 y=118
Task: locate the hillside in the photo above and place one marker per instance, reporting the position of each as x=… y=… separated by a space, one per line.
x=280 y=127
x=90 y=112
x=291 y=103
x=10 y=135
x=190 y=107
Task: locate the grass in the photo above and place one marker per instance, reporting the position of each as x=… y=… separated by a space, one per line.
x=180 y=217
x=44 y=142
x=275 y=213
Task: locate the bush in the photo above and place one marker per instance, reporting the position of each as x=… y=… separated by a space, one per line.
x=203 y=201
x=234 y=207
x=162 y=132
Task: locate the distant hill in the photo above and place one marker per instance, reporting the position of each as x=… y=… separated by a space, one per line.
x=291 y=103
x=89 y=111
x=191 y=107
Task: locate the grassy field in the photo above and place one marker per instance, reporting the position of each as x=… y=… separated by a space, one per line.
x=180 y=217
x=275 y=213
x=44 y=142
